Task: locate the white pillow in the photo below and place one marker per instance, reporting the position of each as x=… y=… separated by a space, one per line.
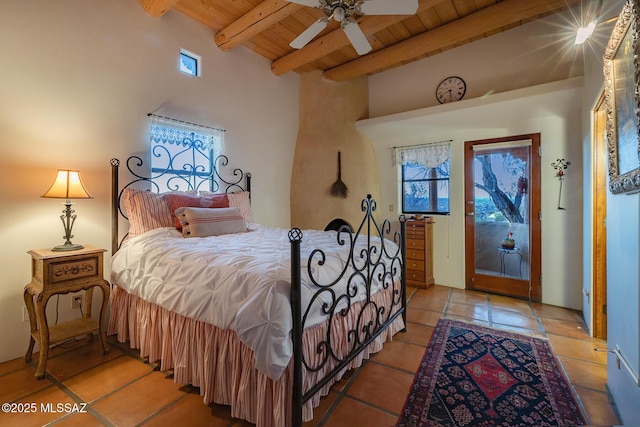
x=203 y=222
x=239 y=200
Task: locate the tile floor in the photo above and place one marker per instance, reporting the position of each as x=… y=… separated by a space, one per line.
x=120 y=389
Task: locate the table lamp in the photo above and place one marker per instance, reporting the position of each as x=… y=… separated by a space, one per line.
x=67 y=185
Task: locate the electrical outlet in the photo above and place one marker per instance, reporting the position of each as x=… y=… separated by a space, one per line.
x=25 y=314
x=77 y=300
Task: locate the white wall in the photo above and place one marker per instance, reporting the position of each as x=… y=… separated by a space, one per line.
x=551 y=109
x=535 y=53
x=78 y=78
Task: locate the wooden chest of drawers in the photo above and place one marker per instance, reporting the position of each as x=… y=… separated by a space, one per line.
x=419 y=252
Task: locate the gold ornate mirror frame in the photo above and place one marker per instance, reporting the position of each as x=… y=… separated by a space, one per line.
x=621 y=81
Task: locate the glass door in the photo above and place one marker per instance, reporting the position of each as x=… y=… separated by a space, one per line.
x=502 y=232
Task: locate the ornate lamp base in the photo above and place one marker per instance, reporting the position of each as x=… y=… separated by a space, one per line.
x=67 y=247
x=68 y=218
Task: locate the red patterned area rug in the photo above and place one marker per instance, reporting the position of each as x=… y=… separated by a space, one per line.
x=475 y=376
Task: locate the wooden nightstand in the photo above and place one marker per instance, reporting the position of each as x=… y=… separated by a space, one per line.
x=60 y=273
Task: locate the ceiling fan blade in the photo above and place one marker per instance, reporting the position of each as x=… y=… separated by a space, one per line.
x=309 y=33
x=310 y=3
x=387 y=7
x=356 y=37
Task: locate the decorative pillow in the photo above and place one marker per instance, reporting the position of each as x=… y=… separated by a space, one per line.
x=242 y=202
x=176 y=201
x=146 y=211
x=203 y=222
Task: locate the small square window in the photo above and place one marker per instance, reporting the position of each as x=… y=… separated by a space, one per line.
x=189 y=63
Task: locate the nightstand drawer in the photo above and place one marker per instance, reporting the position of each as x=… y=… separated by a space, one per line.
x=64 y=271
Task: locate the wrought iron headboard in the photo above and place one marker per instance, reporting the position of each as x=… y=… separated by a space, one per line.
x=174 y=177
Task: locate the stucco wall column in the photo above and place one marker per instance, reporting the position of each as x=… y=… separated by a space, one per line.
x=328 y=112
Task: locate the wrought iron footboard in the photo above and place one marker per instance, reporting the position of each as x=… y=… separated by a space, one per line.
x=375 y=262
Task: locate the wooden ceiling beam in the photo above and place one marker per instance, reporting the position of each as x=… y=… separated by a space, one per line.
x=258 y=19
x=337 y=40
x=157 y=8
x=441 y=38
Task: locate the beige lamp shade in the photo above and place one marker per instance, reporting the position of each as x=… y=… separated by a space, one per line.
x=67 y=185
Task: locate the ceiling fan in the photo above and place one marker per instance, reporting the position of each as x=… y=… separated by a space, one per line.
x=345 y=12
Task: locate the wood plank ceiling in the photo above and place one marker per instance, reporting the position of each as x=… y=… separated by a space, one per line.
x=267 y=27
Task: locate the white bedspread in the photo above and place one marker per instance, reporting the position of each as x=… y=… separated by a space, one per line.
x=236 y=281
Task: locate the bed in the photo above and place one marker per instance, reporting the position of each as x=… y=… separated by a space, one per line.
x=262 y=319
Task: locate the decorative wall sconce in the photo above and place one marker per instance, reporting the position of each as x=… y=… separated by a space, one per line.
x=560 y=166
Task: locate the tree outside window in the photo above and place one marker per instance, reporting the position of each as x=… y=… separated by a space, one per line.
x=425 y=179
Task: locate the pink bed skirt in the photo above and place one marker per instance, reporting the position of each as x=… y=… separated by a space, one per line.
x=217 y=362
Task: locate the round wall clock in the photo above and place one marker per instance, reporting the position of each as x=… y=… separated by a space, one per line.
x=451 y=89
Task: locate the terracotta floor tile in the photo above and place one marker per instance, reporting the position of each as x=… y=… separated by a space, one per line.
x=320 y=412
x=468 y=297
x=513 y=318
x=135 y=402
x=436 y=291
x=478 y=312
x=401 y=355
x=82 y=358
x=554 y=312
x=381 y=386
x=49 y=398
x=129 y=392
x=567 y=328
x=579 y=349
x=585 y=374
x=416 y=334
x=21 y=383
x=13 y=365
x=467 y=319
x=519 y=329
x=107 y=377
x=191 y=411
x=598 y=407
x=410 y=291
x=84 y=419
x=350 y=412
x=342 y=383
x=424 y=317
x=513 y=304
x=427 y=303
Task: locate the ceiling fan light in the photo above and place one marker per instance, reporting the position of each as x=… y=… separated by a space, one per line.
x=339 y=14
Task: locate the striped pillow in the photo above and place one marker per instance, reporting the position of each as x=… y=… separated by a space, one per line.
x=242 y=202
x=203 y=222
x=177 y=200
x=146 y=211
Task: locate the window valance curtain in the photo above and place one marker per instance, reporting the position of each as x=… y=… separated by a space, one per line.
x=177 y=133
x=430 y=155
